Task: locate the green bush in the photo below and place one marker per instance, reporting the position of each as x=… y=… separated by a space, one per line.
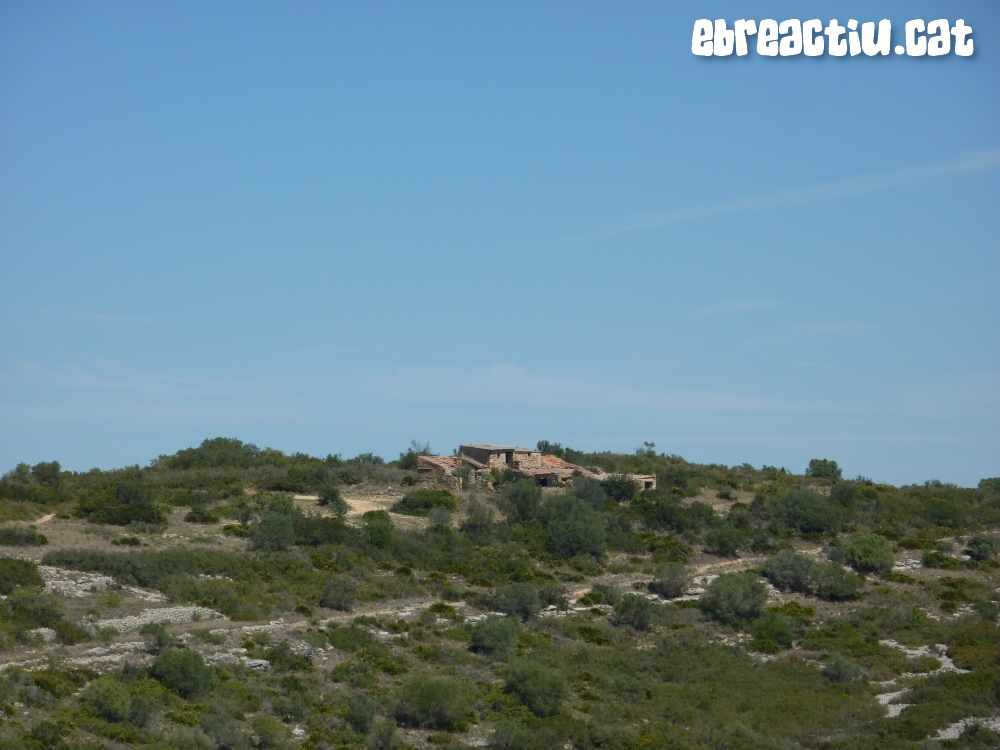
x=671 y=580
x=987 y=610
x=107 y=699
x=378 y=529
x=834 y=584
x=158 y=637
x=590 y=491
x=790 y=571
x=330 y=498
x=809 y=512
x=620 y=487
x=478 y=519
x=772 y=632
x=433 y=703
x=22 y=537
x=439 y=516
x=14 y=573
x=519 y=600
x=572 y=527
x=495 y=636
x=510 y=736
x=190 y=738
x=28 y=608
x=360 y=712
x=866 y=553
x=541 y=690
x=520 y=499
x=635 y=610
x=840 y=670
x=421 y=502
x=982 y=546
x=270 y=733
x=274 y=533
x=734 y=598
x=724 y=541
x=339 y=593
x=201 y=514
x=184 y=672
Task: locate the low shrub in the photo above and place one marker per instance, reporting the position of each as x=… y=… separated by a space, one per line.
x=982 y=546
x=14 y=573
x=541 y=690
x=839 y=669
x=724 y=541
x=183 y=672
x=433 y=703
x=518 y=600
x=339 y=593
x=620 y=487
x=201 y=514
x=635 y=610
x=274 y=533
x=772 y=632
x=421 y=502
x=360 y=712
x=22 y=537
x=495 y=636
x=108 y=699
x=866 y=553
x=734 y=598
x=331 y=499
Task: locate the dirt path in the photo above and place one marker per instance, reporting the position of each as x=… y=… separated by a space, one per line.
x=45 y=519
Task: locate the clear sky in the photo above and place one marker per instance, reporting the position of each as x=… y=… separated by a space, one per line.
x=335 y=227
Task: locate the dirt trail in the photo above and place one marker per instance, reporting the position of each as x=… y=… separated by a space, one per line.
x=45 y=519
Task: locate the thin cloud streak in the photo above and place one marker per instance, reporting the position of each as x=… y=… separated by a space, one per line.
x=976 y=161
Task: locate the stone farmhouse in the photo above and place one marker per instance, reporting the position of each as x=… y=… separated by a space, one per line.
x=475 y=464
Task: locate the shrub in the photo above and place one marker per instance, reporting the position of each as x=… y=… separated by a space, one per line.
x=590 y=491
x=330 y=498
x=834 y=584
x=439 y=516
x=541 y=690
x=26 y=608
x=183 y=672
x=635 y=610
x=725 y=541
x=270 y=733
x=107 y=699
x=520 y=499
x=840 y=670
x=421 y=502
x=510 y=736
x=14 y=573
x=772 y=632
x=519 y=600
x=432 y=703
x=866 y=553
x=495 y=636
x=671 y=580
x=190 y=738
x=601 y=593
x=339 y=593
x=201 y=514
x=382 y=736
x=987 y=610
x=274 y=533
x=982 y=547
x=22 y=537
x=479 y=518
x=71 y=633
x=572 y=527
x=808 y=512
x=789 y=571
x=360 y=712
x=378 y=528
x=620 y=487
x=157 y=637
x=734 y=598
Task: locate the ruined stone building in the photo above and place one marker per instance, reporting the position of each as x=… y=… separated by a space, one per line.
x=476 y=463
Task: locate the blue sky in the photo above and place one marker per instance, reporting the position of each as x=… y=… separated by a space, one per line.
x=336 y=227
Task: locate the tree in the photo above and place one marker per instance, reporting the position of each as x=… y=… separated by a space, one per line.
x=671 y=580
x=495 y=636
x=822 y=468
x=47 y=473
x=541 y=690
x=274 y=533
x=360 y=713
x=408 y=460
x=809 y=512
x=572 y=527
x=734 y=598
